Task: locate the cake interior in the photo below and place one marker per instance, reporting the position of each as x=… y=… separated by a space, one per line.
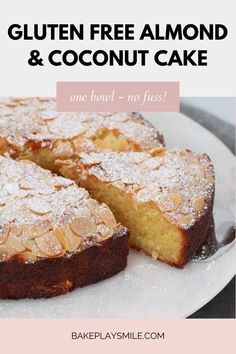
x=149 y=230
x=114 y=140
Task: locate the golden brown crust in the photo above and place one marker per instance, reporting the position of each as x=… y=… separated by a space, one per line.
x=56 y=276
x=192 y=240
x=197 y=235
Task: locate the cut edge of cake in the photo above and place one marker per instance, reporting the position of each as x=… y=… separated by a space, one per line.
x=162 y=223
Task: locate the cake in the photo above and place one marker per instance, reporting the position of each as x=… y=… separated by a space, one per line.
x=165 y=200
x=31 y=128
x=53 y=236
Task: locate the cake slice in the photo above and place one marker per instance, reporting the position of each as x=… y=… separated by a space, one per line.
x=31 y=128
x=53 y=236
x=165 y=201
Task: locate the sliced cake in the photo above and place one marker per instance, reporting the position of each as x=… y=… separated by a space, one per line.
x=31 y=128
x=165 y=201
x=53 y=236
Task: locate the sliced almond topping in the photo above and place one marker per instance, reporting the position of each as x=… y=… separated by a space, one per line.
x=73 y=239
x=41 y=227
x=39 y=207
x=170 y=201
x=107 y=216
x=12 y=104
x=199 y=203
x=25 y=186
x=37 y=229
x=16 y=230
x=104 y=231
x=29 y=244
x=185 y=219
x=4 y=232
x=83 y=226
x=84 y=211
x=49 y=244
x=61 y=237
x=14 y=245
x=14 y=190
x=93 y=205
x=37 y=252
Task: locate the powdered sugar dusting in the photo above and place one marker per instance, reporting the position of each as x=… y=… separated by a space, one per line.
x=43 y=200
x=24 y=119
x=34 y=202
x=180 y=182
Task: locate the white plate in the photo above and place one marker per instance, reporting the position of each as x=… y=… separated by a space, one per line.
x=147 y=288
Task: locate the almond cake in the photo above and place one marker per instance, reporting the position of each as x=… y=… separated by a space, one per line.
x=53 y=236
x=31 y=128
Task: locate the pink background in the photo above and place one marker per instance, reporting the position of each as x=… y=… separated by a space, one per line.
x=168 y=96
x=54 y=336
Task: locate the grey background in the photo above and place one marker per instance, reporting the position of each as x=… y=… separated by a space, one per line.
x=218 y=116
